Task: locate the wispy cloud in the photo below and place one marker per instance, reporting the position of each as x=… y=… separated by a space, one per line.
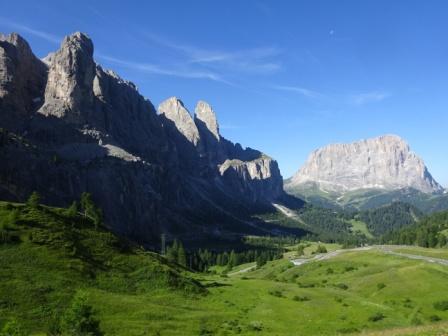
x=257 y=60
x=157 y=69
x=20 y=28
x=300 y=90
x=368 y=97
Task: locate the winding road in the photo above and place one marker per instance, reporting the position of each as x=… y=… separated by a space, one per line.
x=388 y=249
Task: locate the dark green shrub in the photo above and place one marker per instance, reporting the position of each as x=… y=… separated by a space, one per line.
x=79 y=318
x=301 y=298
x=276 y=293
x=13 y=328
x=441 y=305
x=342 y=286
x=376 y=317
x=380 y=286
x=435 y=318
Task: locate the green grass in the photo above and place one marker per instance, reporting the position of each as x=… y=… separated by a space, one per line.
x=310 y=249
x=361 y=227
x=51 y=255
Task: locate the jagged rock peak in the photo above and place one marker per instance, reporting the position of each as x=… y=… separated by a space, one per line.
x=69 y=91
x=384 y=162
x=174 y=110
x=14 y=39
x=78 y=41
x=205 y=114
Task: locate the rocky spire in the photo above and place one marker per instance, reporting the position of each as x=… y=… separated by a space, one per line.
x=69 y=91
x=174 y=110
x=205 y=114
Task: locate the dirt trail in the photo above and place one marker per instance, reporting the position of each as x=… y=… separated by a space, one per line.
x=244 y=270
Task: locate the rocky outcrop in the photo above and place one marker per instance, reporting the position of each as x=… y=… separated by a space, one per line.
x=22 y=81
x=68 y=93
x=178 y=117
x=204 y=115
x=92 y=131
x=258 y=179
x=385 y=162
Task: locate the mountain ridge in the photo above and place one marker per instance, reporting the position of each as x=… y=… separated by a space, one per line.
x=81 y=128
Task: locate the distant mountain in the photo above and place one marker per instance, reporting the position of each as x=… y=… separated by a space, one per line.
x=69 y=126
x=364 y=174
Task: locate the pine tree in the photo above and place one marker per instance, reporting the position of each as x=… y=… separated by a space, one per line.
x=300 y=250
x=34 y=200
x=90 y=209
x=172 y=252
x=232 y=260
x=72 y=210
x=181 y=256
x=442 y=240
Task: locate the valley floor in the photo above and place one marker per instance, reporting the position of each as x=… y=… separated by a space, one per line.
x=366 y=291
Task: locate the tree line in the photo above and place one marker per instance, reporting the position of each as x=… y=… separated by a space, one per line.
x=202 y=259
x=428 y=232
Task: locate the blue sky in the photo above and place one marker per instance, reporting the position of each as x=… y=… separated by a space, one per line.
x=284 y=77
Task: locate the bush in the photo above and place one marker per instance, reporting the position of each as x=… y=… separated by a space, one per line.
x=79 y=318
x=441 y=305
x=342 y=286
x=256 y=325
x=321 y=249
x=348 y=330
x=276 y=293
x=301 y=298
x=376 y=317
x=380 y=286
x=435 y=318
x=12 y=328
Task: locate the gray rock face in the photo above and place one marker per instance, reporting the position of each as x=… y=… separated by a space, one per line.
x=173 y=109
x=22 y=81
x=255 y=178
x=385 y=162
x=70 y=80
x=92 y=131
x=205 y=114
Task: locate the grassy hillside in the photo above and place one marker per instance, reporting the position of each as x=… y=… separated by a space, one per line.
x=48 y=255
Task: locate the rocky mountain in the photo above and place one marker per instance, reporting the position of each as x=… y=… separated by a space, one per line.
x=69 y=126
x=367 y=167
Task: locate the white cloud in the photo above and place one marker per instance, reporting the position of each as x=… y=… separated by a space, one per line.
x=255 y=60
x=300 y=90
x=26 y=29
x=156 y=69
x=368 y=97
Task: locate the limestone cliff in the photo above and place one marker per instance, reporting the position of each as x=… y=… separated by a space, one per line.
x=385 y=162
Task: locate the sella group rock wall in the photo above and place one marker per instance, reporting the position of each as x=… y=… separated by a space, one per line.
x=69 y=126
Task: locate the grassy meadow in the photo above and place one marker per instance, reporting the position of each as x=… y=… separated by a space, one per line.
x=47 y=255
